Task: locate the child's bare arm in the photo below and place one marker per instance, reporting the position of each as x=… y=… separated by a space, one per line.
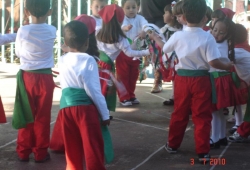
x=219 y=65
x=127 y=28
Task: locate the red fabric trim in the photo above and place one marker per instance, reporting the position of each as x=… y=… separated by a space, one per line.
x=109 y=11
x=89 y=21
x=243 y=45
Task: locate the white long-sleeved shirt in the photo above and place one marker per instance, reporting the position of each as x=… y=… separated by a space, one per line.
x=98 y=22
x=7 y=38
x=34 y=46
x=194 y=48
x=242 y=64
x=80 y=70
x=223 y=48
x=113 y=50
x=138 y=22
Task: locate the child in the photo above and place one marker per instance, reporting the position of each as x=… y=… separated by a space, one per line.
x=34 y=47
x=242 y=57
x=177 y=11
x=56 y=141
x=172 y=25
x=192 y=70
x=223 y=32
x=221 y=14
x=4 y=39
x=96 y=6
x=81 y=102
x=112 y=41
x=208 y=19
x=132 y=26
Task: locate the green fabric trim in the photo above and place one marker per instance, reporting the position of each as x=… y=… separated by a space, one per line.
x=234 y=76
x=111 y=91
x=130 y=41
x=41 y=71
x=22 y=114
x=108 y=146
x=74 y=97
x=197 y=73
x=247 y=113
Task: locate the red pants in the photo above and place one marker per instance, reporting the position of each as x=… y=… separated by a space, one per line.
x=82 y=137
x=191 y=94
x=35 y=137
x=244 y=129
x=127 y=71
x=2 y=113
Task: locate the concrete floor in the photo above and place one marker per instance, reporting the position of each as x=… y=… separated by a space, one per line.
x=139 y=134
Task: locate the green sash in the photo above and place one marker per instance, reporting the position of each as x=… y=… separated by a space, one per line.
x=76 y=97
x=111 y=91
x=234 y=76
x=197 y=73
x=22 y=114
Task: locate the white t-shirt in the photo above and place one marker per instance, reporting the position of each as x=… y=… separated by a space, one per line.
x=34 y=46
x=113 y=50
x=7 y=38
x=242 y=64
x=80 y=70
x=138 y=22
x=223 y=48
x=194 y=48
x=98 y=22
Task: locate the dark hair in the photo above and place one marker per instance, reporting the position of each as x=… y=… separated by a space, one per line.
x=38 y=8
x=138 y=2
x=241 y=32
x=209 y=14
x=75 y=34
x=110 y=32
x=92 y=49
x=177 y=9
x=194 y=10
x=99 y=0
x=218 y=14
x=124 y=1
x=230 y=25
x=174 y=22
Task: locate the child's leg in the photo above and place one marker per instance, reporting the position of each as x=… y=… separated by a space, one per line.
x=123 y=74
x=134 y=73
x=216 y=127
x=56 y=141
x=201 y=113
x=180 y=116
x=82 y=133
x=44 y=90
x=223 y=124
x=238 y=115
x=244 y=129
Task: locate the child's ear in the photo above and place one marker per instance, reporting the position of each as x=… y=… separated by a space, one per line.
x=49 y=12
x=26 y=11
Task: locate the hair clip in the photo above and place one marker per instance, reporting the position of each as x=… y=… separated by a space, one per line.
x=173 y=4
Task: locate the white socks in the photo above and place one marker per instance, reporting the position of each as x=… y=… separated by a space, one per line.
x=218 y=126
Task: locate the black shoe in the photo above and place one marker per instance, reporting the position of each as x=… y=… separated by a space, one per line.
x=110 y=117
x=170 y=150
x=204 y=158
x=233 y=129
x=169 y=102
x=223 y=141
x=43 y=160
x=215 y=145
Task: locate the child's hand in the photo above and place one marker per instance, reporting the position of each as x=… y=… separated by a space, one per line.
x=142 y=35
x=65 y=48
x=152 y=35
x=106 y=122
x=127 y=27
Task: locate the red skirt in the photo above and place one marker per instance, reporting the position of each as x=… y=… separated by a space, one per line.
x=227 y=93
x=2 y=113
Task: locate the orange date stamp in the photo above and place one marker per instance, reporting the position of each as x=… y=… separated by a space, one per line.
x=212 y=161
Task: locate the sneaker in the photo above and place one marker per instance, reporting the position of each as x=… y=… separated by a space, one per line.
x=204 y=158
x=170 y=150
x=23 y=159
x=237 y=138
x=157 y=88
x=231 y=120
x=223 y=141
x=233 y=129
x=215 y=145
x=134 y=101
x=126 y=103
x=169 y=102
